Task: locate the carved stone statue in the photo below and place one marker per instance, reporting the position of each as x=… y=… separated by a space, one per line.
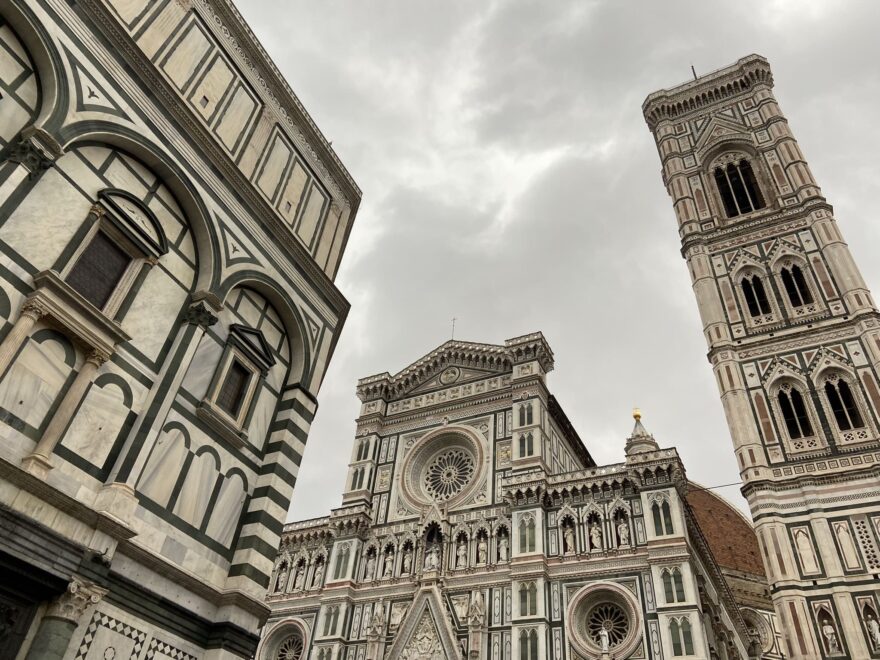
x=319 y=575
x=482 y=551
x=623 y=532
x=371 y=567
x=407 y=562
x=604 y=640
x=432 y=558
x=830 y=635
x=461 y=555
x=477 y=609
x=873 y=627
x=595 y=537
x=377 y=621
x=568 y=540
x=503 y=549
x=298 y=578
x=389 y=565
x=281 y=580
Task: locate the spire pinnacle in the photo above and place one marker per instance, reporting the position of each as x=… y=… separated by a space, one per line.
x=640 y=440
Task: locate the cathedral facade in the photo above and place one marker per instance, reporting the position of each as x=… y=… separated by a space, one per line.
x=171 y=223
x=476 y=524
x=794 y=342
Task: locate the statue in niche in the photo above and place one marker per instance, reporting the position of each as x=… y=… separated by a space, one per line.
x=477 y=609
x=407 y=562
x=503 y=548
x=623 y=532
x=595 y=537
x=830 y=635
x=281 y=580
x=371 y=567
x=604 y=639
x=482 y=550
x=389 y=564
x=568 y=540
x=461 y=555
x=432 y=558
x=319 y=575
x=873 y=627
x=298 y=578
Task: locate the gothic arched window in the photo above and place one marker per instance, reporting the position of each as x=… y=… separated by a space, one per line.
x=794 y=412
x=756 y=297
x=681 y=637
x=341 y=563
x=527 y=534
x=843 y=404
x=528 y=599
x=738 y=188
x=529 y=414
x=673 y=586
x=528 y=644
x=363 y=450
x=796 y=286
x=662 y=515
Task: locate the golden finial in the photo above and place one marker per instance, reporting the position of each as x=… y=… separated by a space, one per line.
x=637 y=414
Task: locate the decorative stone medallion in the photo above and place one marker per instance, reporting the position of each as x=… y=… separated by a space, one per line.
x=604 y=606
x=450 y=375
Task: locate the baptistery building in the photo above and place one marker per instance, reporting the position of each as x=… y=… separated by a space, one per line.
x=476 y=524
x=171 y=224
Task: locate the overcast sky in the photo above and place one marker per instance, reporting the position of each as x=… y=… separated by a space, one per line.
x=510 y=181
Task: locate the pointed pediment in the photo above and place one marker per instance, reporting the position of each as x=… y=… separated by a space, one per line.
x=426 y=632
x=452 y=375
x=253 y=344
x=719 y=129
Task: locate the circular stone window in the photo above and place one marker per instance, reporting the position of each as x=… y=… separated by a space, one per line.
x=448 y=473
x=445 y=466
x=604 y=606
x=291 y=648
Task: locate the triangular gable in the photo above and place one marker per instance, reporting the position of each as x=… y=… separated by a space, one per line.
x=450 y=376
x=426 y=632
x=253 y=344
x=718 y=129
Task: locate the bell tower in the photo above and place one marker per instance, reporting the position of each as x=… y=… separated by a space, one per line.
x=794 y=342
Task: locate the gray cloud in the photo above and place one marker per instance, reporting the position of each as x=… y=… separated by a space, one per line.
x=509 y=180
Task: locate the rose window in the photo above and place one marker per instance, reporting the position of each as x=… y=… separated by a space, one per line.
x=610 y=617
x=448 y=474
x=291 y=648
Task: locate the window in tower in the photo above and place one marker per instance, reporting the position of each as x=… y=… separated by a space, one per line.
x=738 y=188
x=681 y=637
x=673 y=586
x=843 y=404
x=756 y=297
x=794 y=412
x=527 y=534
x=796 y=286
x=662 y=514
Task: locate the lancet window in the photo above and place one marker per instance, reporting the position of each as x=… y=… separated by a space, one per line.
x=738 y=188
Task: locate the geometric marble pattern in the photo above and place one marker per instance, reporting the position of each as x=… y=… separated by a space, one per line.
x=109 y=639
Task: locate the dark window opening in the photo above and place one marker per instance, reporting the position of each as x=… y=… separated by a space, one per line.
x=843 y=404
x=98 y=270
x=738 y=188
x=231 y=394
x=756 y=297
x=794 y=412
x=796 y=286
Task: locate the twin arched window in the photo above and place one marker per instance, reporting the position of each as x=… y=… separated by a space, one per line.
x=527 y=534
x=755 y=295
x=681 y=637
x=673 y=586
x=794 y=412
x=363 y=452
x=795 y=285
x=662 y=518
x=341 y=563
x=528 y=644
x=843 y=404
x=331 y=618
x=358 y=478
x=526 y=414
x=528 y=599
x=526 y=444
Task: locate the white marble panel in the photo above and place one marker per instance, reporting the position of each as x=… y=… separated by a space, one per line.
x=262 y=418
x=168 y=220
x=122 y=177
x=97 y=423
x=163 y=467
x=197 y=488
x=152 y=314
x=201 y=369
x=227 y=510
x=34 y=381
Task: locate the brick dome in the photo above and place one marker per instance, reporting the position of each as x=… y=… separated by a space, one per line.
x=729 y=533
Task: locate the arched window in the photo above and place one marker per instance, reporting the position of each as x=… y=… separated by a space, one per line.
x=530 y=444
x=794 y=412
x=681 y=637
x=522 y=415
x=363 y=450
x=527 y=534
x=667 y=518
x=528 y=644
x=658 y=521
x=756 y=297
x=843 y=404
x=796 y=286
x=341 y=563
x=662 y=515
x=673 y=586
x=738 y=188
x=528 y=599
x=522 y=445
x=529 y=416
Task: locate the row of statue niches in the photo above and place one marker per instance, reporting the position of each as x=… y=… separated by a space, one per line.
x=594 y=536
x=300 y=573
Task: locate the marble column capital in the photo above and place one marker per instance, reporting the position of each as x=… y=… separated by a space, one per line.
x=34 y=309
x=80 y=595
x=199 y=314
x=97 y=357
x=36 y=151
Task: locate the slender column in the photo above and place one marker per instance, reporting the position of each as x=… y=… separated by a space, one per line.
x=61 y=619
x=38 y=462
x=31 y=312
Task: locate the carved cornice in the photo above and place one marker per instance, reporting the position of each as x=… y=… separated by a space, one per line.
x=706 y=91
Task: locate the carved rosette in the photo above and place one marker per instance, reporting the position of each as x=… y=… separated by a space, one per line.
x=71 y=605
